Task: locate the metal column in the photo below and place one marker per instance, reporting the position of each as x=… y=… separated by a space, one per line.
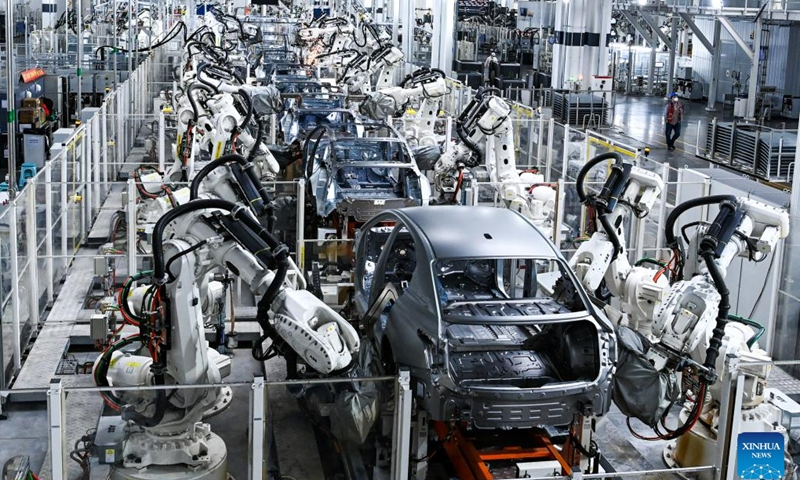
x=717 y=56
x=162 y=148
x=730 y=417
x=15 y=312
x=401 y=440
x=755 y=71
x=258 y=430
x=672 y=51
x=651 y=83
x=794 y=206
x=56 y=431
x=10 y=103
x=79 y=59
x=33 y=254
x=409 y=23
x=48 y=242
x=130 y=208
x=443 y=32
x=94 y=127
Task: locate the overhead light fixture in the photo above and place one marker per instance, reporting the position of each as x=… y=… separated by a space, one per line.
x=642 y=2
x=717 y=4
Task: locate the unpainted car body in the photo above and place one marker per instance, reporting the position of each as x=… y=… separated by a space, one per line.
x=486 y=315
x=359 y=176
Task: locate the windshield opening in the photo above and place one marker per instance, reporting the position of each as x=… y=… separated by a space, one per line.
x=505 y=287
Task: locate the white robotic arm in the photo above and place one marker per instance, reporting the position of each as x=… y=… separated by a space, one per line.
x=628 y=189
x=321 y=337
x=485 y=129
x=691 y=321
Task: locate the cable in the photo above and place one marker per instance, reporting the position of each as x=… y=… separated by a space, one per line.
x=763 y=289
x=180 y=26
x=182 y=253
x=198 y=86
x=724 y=308
x=760 y=329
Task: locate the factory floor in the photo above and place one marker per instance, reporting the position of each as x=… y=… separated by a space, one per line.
x=639 y=120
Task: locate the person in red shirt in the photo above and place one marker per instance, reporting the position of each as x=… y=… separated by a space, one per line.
x=673 y=118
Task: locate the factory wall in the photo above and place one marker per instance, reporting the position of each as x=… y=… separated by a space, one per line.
x=780 y=71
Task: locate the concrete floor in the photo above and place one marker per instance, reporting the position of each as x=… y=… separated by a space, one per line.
x=639 y=120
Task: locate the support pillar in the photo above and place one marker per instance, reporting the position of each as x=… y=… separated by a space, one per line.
x=672 y=52
x=57 y=431
x=755 y=71
x=408 y=19
x=715 y=60
x=11 y=102
x=444 y=14
x=651 y=81
x=580 y=53
x=79 y=59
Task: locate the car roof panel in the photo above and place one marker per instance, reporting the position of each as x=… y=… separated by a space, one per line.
x=478 y=232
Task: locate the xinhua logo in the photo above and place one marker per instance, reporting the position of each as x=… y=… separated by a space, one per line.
x=760 y=456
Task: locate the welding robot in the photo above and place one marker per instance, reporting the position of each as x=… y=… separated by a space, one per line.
x=165 y=432
x=676 y=320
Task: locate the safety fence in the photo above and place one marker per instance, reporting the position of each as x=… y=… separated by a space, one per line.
x=51 y=217
x=268 y=409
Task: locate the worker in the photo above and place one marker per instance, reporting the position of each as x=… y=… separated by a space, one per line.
x=491 y=70
x=673 y=118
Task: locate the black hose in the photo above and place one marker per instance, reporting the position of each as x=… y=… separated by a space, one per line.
x=159 y=275
x=460 y=127
x=580 y=181
x=129 y=413
x=669 y=227
x=182 y=254
x=218 y=68
x=724 y=308
x=259 y=137
x=104 y=361
x=602 y=210
x=190 y=91
x=249 y=104
x=612 y=234
x=247 y=167
x=308 y=156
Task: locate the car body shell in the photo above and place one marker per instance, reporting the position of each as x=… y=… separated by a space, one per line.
x=406 y=326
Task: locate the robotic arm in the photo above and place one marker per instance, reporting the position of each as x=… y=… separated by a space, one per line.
x=602 y=260
x=692 y=321
x=485 y=130
x=313 y=330
x=423 y=84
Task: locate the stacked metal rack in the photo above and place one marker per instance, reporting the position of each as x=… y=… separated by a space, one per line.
x=580 y=109
x=761 y=151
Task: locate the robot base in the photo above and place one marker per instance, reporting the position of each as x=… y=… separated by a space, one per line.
x=698 y=447
x=217 y=468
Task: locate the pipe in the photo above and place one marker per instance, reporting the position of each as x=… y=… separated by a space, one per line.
x=579 y=182
x=669 y=227
x=249 y=169
x=191 y=89
x=249 y=103
x=722 y=317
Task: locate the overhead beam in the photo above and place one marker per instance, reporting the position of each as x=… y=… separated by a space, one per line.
x=652 y=23
x=639 y=28
x=726 y=23
x=698 y=34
